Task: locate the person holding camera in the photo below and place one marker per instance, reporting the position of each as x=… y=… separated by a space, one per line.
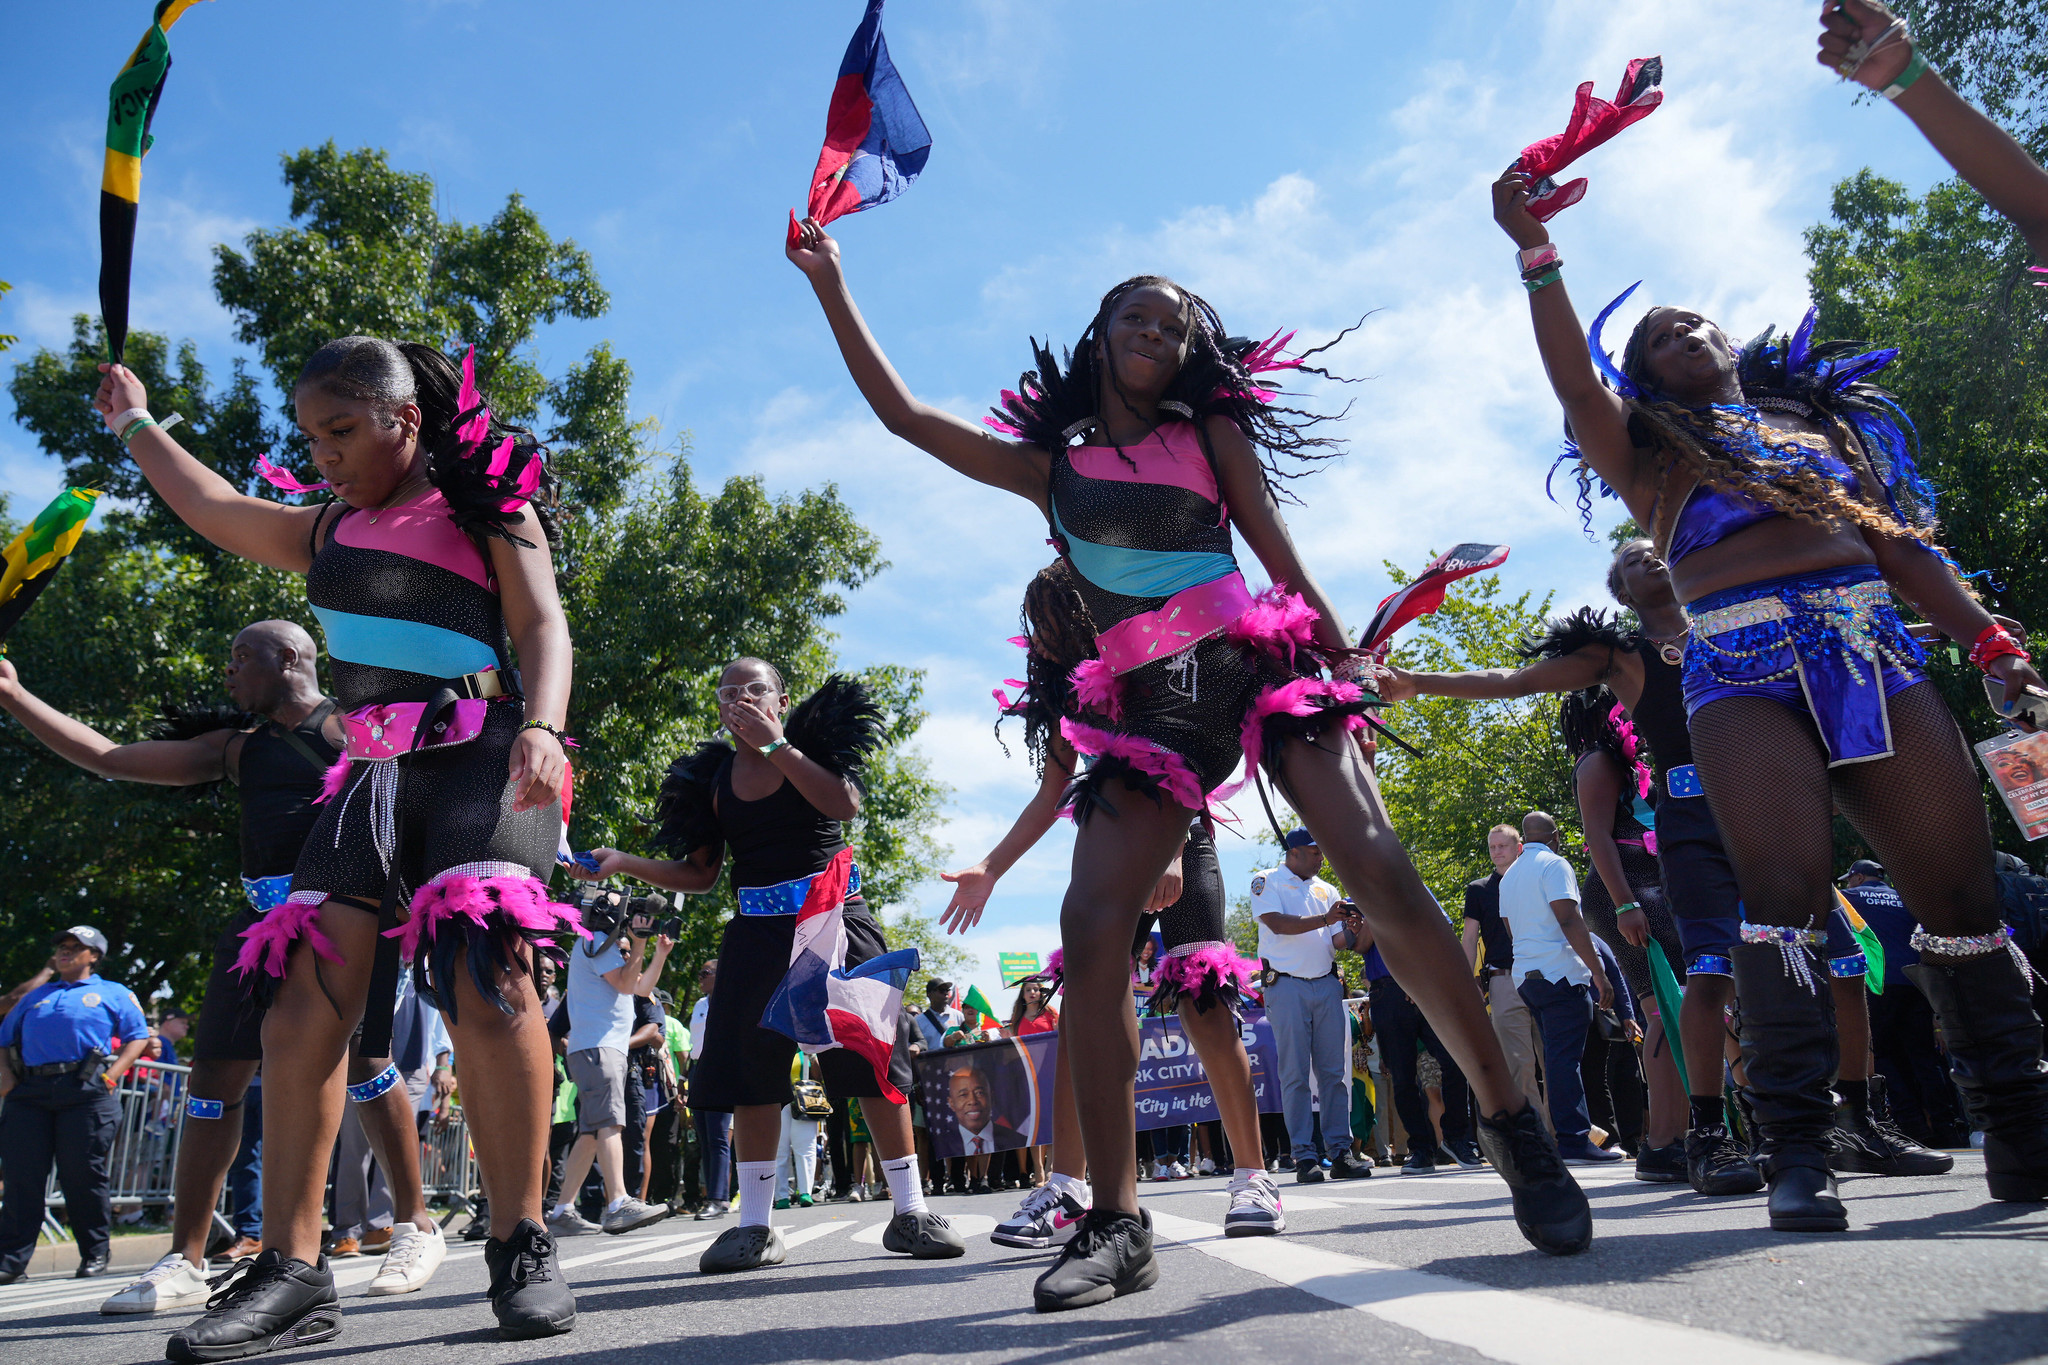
x=604 y=977
x=776 y=799
x=57 y=1075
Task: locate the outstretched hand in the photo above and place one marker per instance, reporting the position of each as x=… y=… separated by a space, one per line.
x=811 y=249
x=972 y=886
x=1845 y=24
x=1511 y=209
x=119 y=391
x=608 y=862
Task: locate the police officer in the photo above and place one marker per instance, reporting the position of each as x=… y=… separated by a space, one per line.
x=57 y=1074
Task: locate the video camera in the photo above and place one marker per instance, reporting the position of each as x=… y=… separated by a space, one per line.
x=607 y=910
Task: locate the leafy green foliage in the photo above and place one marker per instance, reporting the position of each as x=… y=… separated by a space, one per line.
x=663 y=582
x=1483 y=763
x=7 y=339
x=1993 y=51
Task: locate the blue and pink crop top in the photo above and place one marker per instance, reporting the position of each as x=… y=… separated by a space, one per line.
x=405 y=601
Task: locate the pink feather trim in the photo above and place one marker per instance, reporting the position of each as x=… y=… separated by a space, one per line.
x=267 y=943
x=1266 y=355
x=1630 y=749
x=1021 y=641
x=1302 y=697
x=520 y=902
x=501 y=459
x=1171 y=770
x=333 y=780
x=472 y=432
x=997 y=424
x=1278 y=622
x=1216 y=967
x=1003 y=702
x=1097 y=688
x=283 y=480
x=1056 y=966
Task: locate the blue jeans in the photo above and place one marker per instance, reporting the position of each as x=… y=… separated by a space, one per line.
x=1564 y=1015
x=245 y=1177
x=714 y=1142
x=1310 y=1033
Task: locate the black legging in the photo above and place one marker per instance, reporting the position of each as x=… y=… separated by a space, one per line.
x=1920 y=810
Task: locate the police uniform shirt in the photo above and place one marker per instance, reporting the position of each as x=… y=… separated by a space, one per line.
x=1279 y=891
x=62 y=1021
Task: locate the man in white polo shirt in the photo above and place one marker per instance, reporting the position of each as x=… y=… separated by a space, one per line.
x=1557 y=973
x=1300 y=930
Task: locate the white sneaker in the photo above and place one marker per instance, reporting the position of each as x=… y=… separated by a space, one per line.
x=173 y=1282
x=1254 y=1208
x=1206 y=1166
x=1048 y=1217
x=570 y=1223
x=1177 y=1172
x=410 y=1261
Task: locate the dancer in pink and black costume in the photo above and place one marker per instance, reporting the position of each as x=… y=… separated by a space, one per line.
x=447 y=811
x=1203 y=673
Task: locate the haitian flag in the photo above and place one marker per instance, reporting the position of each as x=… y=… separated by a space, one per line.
x=875 y=142
x=824 y=1004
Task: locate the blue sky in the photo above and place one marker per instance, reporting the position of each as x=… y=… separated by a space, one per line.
x=1298 y=164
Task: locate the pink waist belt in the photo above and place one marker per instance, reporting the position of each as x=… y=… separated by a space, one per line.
x=386 y=731
x=1187 y=618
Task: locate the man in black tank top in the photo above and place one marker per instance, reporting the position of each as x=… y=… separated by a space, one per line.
x=275 y=745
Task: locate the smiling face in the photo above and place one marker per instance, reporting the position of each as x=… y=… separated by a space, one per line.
x=1687 y=357
x=364 y=449
x=967 y=1091
x=1145 y=338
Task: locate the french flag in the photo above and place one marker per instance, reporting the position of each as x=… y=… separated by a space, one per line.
x=875 y=141
x=824 y=1004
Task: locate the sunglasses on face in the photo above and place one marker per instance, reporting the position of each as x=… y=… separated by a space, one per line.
x=752 y=691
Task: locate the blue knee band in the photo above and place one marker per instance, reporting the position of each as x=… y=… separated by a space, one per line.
x=196 y=1108
x=375 y=1086
x=1853 y=965
x=1711 y=964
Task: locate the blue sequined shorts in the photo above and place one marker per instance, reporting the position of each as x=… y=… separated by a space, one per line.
x=1829 y=643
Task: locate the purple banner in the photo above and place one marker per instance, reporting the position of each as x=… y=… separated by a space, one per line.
x=1001 y=1092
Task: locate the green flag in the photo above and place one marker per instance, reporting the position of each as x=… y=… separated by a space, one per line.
x=131 y=104
x=977 y=1008
x=31 y=559
x=1670 y=998
x=1873 y=946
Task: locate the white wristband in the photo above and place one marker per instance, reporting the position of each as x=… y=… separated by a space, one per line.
x=120 y=420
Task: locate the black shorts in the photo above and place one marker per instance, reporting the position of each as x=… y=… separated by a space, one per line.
x=1197 y=917
x=230 y=1023
x=744 y=1063
x=1698 y=877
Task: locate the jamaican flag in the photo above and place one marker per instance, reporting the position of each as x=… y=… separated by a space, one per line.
x=32 y=558
x=131 y=104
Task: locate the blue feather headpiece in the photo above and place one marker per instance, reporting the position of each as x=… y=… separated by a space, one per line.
x=1604 y=362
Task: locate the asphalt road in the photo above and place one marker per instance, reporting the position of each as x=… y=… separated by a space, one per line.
x=1394 y=1268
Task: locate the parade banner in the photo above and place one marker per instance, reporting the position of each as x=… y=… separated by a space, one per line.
x=2018 y=765
x=1001 y=1092
x=1016 y=966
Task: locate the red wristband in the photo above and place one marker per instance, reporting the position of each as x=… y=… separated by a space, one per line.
x=1995 y=643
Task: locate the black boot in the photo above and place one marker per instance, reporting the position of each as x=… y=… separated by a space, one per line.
x=527 y=1290
x=1993 y=1039
x=1716 y=1163
x=1790 y=1051
x=1866 y=1141
x=1550 y=1208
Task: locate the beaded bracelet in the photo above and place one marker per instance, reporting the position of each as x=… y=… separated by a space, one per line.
x=1548 y=277
x=1996 y=643
x=560 y=738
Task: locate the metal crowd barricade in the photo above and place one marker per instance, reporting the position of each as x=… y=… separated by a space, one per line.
x=447 y=1162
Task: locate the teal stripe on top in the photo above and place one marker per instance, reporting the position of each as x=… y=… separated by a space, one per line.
x=1143 y=573
x=407 y=646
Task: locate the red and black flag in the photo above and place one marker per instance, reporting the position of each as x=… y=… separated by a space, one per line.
x=131 y=104
x=1425 y=592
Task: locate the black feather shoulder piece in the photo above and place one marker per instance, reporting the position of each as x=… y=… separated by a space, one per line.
x=178 y=723
x=685 y=817
x=838 y=727
x=1564 y=635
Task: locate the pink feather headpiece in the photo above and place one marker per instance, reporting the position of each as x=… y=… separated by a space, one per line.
x=283 y=480
x=1630 y=748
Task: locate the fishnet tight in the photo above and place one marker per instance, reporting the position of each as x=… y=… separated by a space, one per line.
x=1921 y=812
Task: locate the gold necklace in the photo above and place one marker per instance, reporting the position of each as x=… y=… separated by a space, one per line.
x=402 y=490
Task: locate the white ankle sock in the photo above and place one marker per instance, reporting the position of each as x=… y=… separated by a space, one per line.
x=904 y=1186
x=1249 y=1172
x=613 y=1206
x=560 y=1209
x=757 y=1193
x=1068 y=1184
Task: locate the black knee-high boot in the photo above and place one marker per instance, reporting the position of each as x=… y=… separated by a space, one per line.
x=1790 y=1051
x=1993 y=1037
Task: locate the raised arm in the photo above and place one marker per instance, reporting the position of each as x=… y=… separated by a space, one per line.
x=164 y=762
x=1598 y=417
x=252 y=528
x=972 y=886
x=1984 y=154
x=1566 y=673
x=973 y=450
x=752 y=721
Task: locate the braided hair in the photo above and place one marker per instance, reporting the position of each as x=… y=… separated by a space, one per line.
x=485 y=467
x=1059 y=398
x=1593 y=718
x=1060 y=635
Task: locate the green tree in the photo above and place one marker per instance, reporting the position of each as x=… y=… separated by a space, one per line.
x=663 y=581
x=6 y=340
x=1481 y=763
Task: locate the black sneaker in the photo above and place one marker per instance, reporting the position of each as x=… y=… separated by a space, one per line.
x=1421 y=1161
x=1308 y=1171
x=1110 y=1256
x=1662 y=1165
x=1342 y=1167
x=1870 y=1145
x=265 y=1302
x=1715 y=1163
x=1465 y=1152
x=978 y=1187
x=527 y=1290
x=924 y=1236
x=1550 y=1208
